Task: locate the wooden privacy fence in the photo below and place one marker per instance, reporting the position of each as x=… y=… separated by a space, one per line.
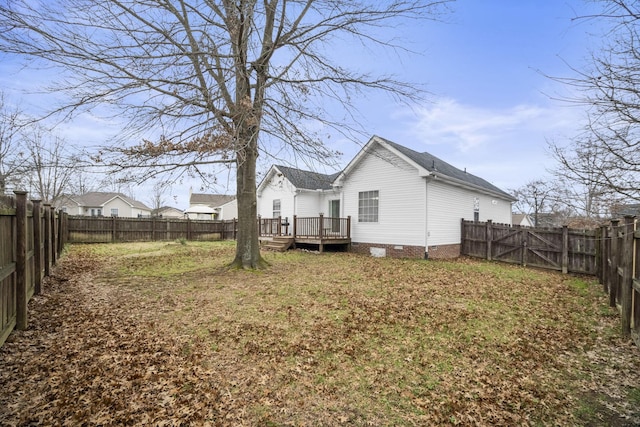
x=620 y=272
x=612 y=253
x=85 y=229
x=562 y=249
x=31 y=240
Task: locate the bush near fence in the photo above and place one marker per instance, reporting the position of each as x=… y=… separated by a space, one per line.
x=31 y=240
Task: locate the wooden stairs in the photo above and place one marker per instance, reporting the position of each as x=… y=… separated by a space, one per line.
x=279 y=243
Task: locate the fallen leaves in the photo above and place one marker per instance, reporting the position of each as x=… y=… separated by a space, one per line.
x=338 y=339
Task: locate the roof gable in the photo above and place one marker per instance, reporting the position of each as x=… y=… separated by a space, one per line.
x=308 y=180
x=99 y=199
x=428 y=164
x=212 y=200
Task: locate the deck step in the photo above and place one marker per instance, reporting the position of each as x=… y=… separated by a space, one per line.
x=279 y=244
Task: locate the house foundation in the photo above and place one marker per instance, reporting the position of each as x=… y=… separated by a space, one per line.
x=406 y=251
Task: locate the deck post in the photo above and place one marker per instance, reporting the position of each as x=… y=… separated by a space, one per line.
x=349 y=226
x=320 y=226
x=259 y=225
x=295 y=226
x=279 y=226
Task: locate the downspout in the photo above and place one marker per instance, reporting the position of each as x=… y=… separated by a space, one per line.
x=426 y=217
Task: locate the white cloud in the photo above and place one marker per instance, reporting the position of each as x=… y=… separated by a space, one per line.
x=470 y=128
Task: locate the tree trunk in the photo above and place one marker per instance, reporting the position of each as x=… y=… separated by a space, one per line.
x=248 y=246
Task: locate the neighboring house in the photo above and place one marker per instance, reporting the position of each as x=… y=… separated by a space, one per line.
x=98 y=203
x=212 y=206
x=168 y=212
x=632 y=209
x=286 y=191
x=401 y=202
x=523 y=220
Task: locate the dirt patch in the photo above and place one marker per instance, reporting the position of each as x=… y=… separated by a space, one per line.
x=336 y=339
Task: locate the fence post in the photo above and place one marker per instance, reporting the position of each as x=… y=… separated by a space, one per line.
x=188 y=228
x=626 y=261
x=54 y=237
x=37 y=246
x=47 y=239
x=565 y=249
x=60 y=234
x=113 y=229
x=525 y=248
x=489 y=238
x=602 y=259
x=613 y=272
x=21 y=259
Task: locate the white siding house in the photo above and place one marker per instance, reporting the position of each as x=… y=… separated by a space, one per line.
x=401 y=202
x=212 y=206
x=285 y=192
x=98 y=203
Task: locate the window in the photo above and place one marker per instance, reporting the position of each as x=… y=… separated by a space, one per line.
x=276 y=208
x=476 y=209
x=368 y=206
x=114 y=211
x=96 y=212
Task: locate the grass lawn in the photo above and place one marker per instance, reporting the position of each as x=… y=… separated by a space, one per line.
x=164 y=334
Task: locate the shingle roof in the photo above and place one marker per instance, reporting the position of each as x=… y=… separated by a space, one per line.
x=434 y=164
x=213 y=200
x=308 y=180
x=99 y=198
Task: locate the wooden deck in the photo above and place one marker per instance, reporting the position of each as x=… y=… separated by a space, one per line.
x=318 y=231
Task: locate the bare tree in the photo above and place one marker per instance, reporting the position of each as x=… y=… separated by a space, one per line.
x=607 y=154
x=218 y=80
x=49 y=165
x=12 y=155
x=584 y=175
x=157 y=196
x=538 y=197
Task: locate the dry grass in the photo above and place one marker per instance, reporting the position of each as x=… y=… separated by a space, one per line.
x=163 y=333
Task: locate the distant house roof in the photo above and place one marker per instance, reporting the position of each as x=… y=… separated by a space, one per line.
x=99 y=199
x=517 y=219
x=166 y=210
x=212 y=200
x=632 y=209
x=307 y=180
x=436 y=165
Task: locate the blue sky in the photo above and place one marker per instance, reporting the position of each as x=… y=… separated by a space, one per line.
x=490 y=110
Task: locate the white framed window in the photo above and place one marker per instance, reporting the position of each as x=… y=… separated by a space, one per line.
x=276 y=208
x=368 y=206
x=114 y=211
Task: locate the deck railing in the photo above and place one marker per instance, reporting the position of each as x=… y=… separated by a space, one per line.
x=318 y=227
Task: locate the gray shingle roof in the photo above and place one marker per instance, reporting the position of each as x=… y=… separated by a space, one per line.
x=213 y=200
x=99 y=198
x=308 y=180
x=434 y=164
